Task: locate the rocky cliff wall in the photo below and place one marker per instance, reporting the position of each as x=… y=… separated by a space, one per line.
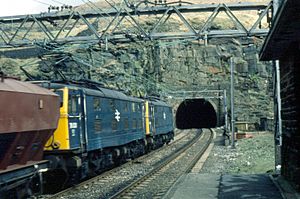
x=157 y=68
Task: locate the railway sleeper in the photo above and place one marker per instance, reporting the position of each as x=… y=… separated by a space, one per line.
x=72 y=168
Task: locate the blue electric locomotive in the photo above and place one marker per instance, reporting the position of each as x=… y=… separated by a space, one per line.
x=99 y=127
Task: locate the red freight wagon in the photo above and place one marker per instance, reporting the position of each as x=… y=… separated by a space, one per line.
x=28 y=117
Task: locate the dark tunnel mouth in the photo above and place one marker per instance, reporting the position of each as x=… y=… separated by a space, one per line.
x=196 y=113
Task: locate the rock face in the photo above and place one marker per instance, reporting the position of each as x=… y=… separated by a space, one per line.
x=153 y=68
x=193 y=66
x=171 y=66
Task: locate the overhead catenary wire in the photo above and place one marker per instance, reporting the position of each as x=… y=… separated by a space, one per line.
x=140 y=80
x=95 y=8
x=100 y=11
x=42 y=2
x=113 y=5
x=143 y=79
x=150 y=80
x=58 y=2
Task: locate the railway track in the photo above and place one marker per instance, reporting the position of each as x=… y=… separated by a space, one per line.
x=157 y=182
x=107 y=176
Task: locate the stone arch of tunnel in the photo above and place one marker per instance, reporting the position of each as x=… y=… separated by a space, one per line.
x=196 y=113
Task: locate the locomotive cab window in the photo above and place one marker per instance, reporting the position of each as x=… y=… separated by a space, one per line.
x=138 y=107
x=134 y=107
x=72 y=104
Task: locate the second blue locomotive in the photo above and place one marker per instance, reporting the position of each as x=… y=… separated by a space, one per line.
x=99 y=127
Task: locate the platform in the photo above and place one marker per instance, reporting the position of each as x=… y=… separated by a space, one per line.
x=212 y=186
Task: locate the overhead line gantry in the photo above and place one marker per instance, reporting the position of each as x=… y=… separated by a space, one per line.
x=58 y=28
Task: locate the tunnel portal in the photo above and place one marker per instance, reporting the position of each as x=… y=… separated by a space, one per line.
x=196 y=113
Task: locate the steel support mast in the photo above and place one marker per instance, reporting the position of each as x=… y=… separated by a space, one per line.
x=127 y=24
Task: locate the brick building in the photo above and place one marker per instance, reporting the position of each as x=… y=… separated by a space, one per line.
x=283 y=44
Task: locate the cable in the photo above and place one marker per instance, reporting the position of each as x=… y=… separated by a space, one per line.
x=94 y=7
x=58 y=2
x=132 y=6
x=42 y=2
x=150 y=81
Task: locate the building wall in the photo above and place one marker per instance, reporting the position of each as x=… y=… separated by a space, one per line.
x=290 y=78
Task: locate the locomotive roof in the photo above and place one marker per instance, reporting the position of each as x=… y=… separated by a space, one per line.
x=13 y=85
x=159 y=102
x=97 y=91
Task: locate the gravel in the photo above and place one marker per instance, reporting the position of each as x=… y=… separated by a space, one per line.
x=250 y=156
x=164 y=179
x=105 y=187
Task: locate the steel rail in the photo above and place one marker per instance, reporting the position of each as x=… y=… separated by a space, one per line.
x=199 y=155
x=114 y=170
x=126 y=191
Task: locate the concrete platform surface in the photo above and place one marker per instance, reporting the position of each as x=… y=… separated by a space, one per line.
x=256 y=186
x=214 y=186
